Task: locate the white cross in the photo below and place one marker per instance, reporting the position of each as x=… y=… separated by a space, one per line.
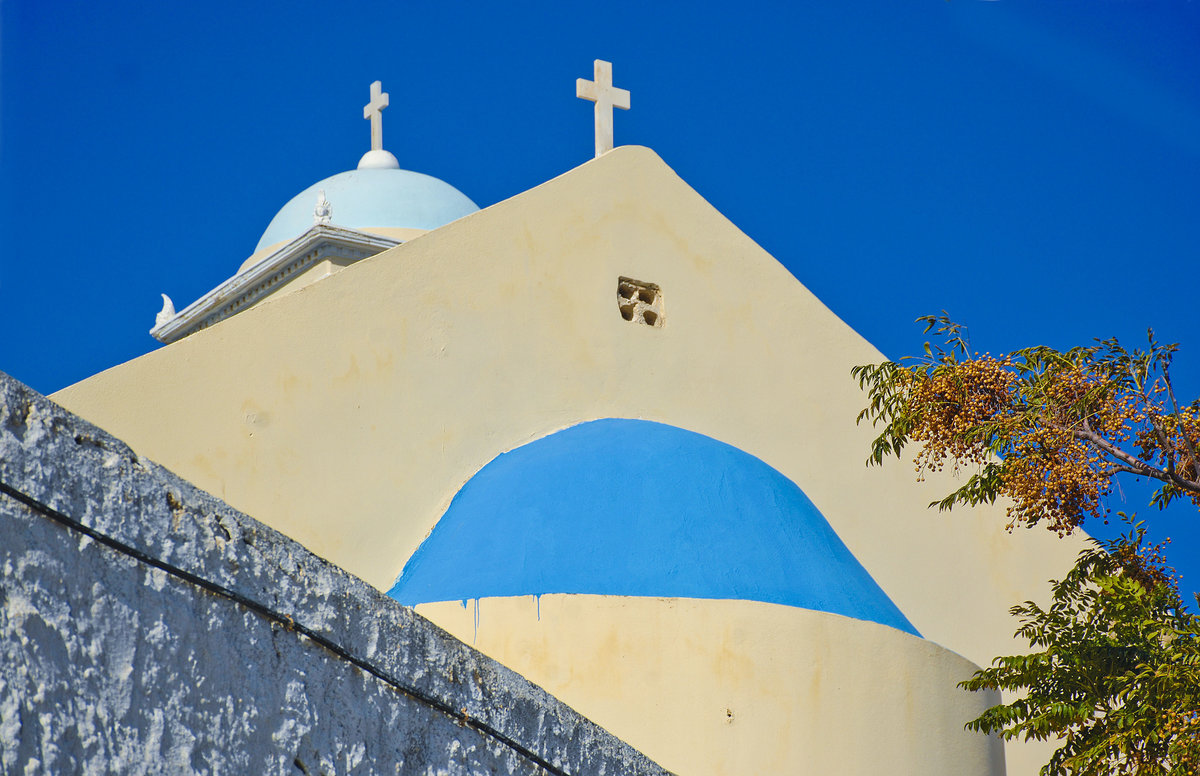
x=373 y=110
x=606 y=96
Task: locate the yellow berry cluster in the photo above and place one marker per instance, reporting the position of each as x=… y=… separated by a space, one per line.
x=1182 y=728
x=1051 y=427
x=956 y=401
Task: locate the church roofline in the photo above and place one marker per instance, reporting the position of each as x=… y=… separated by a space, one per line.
x=268 y=275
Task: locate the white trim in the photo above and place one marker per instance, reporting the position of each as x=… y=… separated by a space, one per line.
x=268 y=275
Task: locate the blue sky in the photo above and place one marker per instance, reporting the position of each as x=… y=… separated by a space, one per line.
x=1034 y=168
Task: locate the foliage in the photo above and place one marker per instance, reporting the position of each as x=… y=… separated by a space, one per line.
x=1118 y=675
x=1048 y=429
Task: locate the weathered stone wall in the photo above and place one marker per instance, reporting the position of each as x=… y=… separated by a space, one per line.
x=111 y=664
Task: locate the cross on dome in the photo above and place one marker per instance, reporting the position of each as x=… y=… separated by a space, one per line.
x=373 y=110
x=602 y=92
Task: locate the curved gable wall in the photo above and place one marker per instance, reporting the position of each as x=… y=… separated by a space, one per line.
x=348 y=414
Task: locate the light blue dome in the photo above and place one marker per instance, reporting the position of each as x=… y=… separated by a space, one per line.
x=371 y=197
x=634 y=508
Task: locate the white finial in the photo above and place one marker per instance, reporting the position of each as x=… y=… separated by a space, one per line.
x=324 y=210
x=167 y=313
x=606 y=96
x=377 y=158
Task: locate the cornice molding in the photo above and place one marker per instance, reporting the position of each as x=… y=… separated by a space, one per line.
x=274 y=271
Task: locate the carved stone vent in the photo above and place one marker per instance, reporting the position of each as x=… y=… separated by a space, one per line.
x=640 y=302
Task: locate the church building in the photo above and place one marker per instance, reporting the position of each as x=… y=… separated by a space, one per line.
x=599 y=434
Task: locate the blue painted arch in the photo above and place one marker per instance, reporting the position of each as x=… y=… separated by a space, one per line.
x=635 y=508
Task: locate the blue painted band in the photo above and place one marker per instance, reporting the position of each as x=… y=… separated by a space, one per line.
x=635 y=508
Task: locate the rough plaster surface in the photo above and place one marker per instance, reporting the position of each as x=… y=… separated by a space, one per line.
x=109 y=665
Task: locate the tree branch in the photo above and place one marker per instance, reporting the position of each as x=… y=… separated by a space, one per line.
x=1087 y=435
x=1119 y=469
x=1139 y=466
x=1163 y=442
x=1183 y=431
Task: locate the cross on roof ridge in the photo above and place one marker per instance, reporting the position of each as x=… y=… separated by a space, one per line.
x=602 y=92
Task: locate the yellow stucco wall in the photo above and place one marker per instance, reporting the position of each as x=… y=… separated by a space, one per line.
x=348 y=414
x=712 y=688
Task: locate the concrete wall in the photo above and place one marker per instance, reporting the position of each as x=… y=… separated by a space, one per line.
x=109 y=664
